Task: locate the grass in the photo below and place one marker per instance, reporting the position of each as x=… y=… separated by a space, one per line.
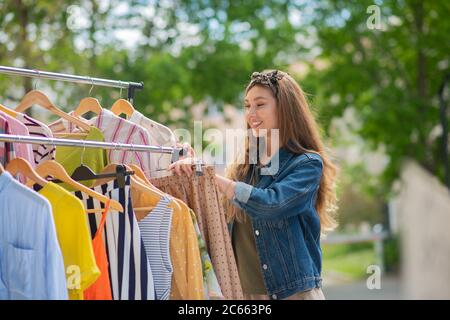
x=349 y=260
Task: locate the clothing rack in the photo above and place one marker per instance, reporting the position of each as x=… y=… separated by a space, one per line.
x=130 y=86
x=175 y=152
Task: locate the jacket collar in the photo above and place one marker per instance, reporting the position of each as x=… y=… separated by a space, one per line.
x=277 y=162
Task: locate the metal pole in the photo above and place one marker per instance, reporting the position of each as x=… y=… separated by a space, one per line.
x=89 y=144
x=70 y=78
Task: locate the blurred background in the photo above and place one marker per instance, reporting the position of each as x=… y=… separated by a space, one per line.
x=375 y=73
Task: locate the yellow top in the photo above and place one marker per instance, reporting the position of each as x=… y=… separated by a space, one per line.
x=187 y=277
x=74 y=239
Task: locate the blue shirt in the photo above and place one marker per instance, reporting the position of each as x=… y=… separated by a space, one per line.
x=31 y=262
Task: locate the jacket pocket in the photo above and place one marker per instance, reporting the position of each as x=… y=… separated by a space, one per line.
x=19 y=268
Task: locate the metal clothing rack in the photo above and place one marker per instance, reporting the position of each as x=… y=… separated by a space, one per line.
x=175 y=152
x=130 y=86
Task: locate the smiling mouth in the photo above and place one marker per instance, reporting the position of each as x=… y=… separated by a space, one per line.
x=255 y=125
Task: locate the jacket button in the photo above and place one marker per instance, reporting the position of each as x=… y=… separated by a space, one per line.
x=274 y=296
x=265 y=266
x=257 y=232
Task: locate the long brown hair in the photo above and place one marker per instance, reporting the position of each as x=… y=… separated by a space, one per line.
x=297 y=125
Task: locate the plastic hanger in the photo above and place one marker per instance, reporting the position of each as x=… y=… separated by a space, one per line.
x=122 y=106
x=22 y=166
x=88 y=104
x=8 y=111
x=54 y=169
x=39 y=98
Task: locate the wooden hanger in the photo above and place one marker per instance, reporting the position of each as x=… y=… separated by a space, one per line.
x=122 y=106
x=140 y=174
x=39 y=98
x=174 y=204
x=54 y=169
x=86 y=105
x=8 y=111
x=20 y=165
x=138 y=184
x=1 y=169
x=69 y=134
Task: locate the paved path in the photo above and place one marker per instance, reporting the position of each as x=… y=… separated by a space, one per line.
x=390 y=290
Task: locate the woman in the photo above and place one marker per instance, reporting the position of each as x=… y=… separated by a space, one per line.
x=278 y=205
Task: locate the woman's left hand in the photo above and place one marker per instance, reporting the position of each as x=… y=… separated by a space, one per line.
x=182 y=166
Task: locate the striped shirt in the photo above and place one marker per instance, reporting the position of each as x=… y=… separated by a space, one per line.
x=155 y=232
x=6 y=148
x=129 y=271
x=161 y=136
x=41 y=152
x=115 y=129
x=22 y=150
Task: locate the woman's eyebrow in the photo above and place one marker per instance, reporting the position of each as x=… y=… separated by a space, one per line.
x=257 y=98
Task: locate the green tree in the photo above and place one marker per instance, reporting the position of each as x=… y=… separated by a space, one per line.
x=389 y=76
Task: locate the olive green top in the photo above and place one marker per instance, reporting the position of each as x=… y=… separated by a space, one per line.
x=72 y=157
x=244 y=247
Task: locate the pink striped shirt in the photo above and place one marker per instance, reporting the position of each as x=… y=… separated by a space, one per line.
x=118 y=130
x=23 y=150
x=6 y=148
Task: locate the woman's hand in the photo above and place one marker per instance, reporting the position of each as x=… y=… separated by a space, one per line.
x=226 y=186
x=190 y=150
x=182 y=166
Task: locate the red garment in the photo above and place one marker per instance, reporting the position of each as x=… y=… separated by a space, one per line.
x=100 y=289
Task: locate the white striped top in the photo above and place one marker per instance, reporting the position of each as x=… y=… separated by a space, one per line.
x=155 y=232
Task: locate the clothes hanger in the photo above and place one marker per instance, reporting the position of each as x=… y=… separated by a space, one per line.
x=8 y=111
x=22 y=166
x=39 y=98
x=54 y=169
x=122 y=106
x=136 y=183
x=1 y=169
x=141 y=176
x=88 y=104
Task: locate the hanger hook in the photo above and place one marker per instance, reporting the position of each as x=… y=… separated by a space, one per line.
x=53 y=143
x=38 y=78
x=161 y=154
x=82 y=153
x=92 y=86
x=120 y=83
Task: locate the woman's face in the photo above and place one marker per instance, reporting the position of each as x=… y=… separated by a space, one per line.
x=261 y=110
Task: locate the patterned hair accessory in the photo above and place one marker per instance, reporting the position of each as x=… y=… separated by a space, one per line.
x=269 y=79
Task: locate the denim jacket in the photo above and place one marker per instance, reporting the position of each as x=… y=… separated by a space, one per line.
x=285 y=222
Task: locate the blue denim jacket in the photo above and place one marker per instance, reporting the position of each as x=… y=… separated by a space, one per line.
x=285 y=223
